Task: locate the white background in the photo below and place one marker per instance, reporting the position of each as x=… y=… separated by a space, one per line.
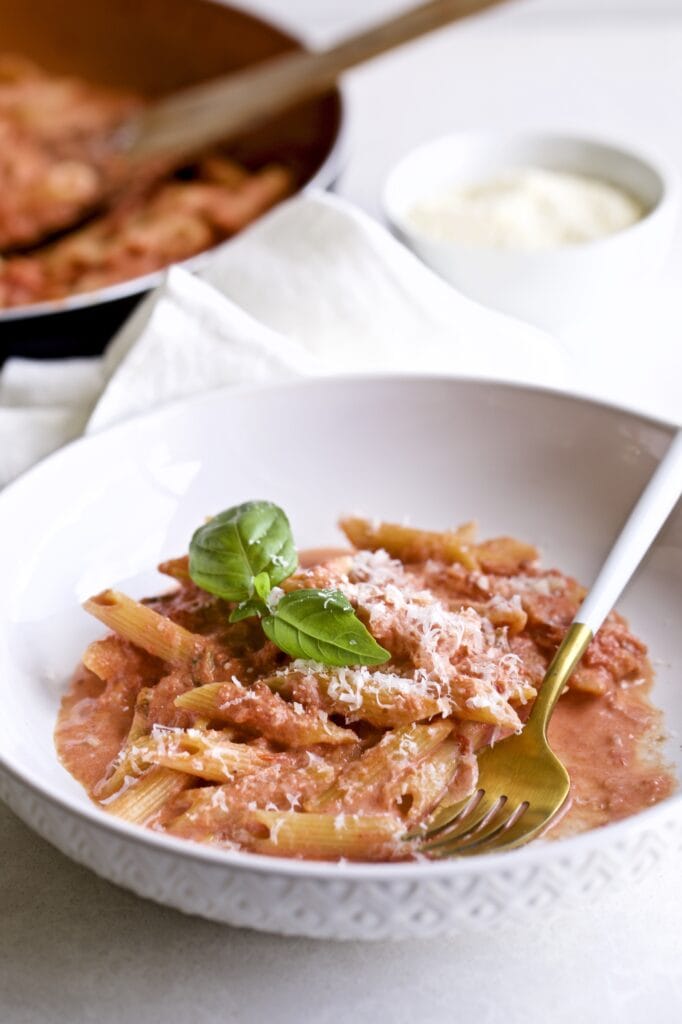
x=74 y=949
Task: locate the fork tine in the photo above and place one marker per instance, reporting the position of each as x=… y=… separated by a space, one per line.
x=522 y=831
x=466 y=823
x=479 y=842
x=444 y=816
x=519 y=833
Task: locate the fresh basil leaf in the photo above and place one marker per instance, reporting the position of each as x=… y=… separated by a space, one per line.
x=246 y=609
x=262 y=585
x=233 y=548
x=321 y=625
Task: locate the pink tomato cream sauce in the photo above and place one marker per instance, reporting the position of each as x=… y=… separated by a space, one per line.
x=509 y=613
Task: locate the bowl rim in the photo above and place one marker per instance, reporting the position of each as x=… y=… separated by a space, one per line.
x=649 y=158
x=91 y=815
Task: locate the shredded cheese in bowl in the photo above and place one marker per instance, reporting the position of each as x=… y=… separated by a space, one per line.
x=527 y=208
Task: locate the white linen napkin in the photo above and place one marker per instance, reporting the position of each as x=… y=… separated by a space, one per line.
x=315 y=287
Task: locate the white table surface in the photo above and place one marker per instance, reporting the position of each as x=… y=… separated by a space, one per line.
x=75 y=949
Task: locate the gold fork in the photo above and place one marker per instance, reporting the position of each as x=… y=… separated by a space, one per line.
x=521 y=782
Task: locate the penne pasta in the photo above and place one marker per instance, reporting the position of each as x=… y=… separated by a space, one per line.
x=144 y=627
x=226 y=732
x=148 y=795
x=385 y=700
x=54 y=171
x=505 y=555
x=586 y=679
x=331 y=836
x=128 y=764
x=113 y=658
x=382 y=763
x=177 y=569
x=257 y=709
x=473 y=702
x=501 y=613
x=208 y=754
x=222 y=812
x=423 y=785
x=412 y=545
x=206 y=812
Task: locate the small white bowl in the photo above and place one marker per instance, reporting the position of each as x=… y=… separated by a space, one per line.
x=550 y=287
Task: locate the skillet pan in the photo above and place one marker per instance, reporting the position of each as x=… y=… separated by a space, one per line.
x=154 y=47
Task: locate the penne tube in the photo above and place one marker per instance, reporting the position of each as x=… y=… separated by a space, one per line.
x=423 y=785
x=220 y=811
x=113 y=658
x=330 y=836
x=397 y=750
x=259 y=710
x=176 y=568
x=208 y=754
x=223 y=812
x=205 y=812
x=140 y=723
x=145 y=628
x=202 y=700
x=127 y=764
x=412 y=545
x=501 y=613
x=387 y=700
x=383 y=699
x=476 y=702
x=145 y=797
x=505 y=555
x=594 y=680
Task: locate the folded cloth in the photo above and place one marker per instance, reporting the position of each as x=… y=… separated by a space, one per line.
x=314 y=288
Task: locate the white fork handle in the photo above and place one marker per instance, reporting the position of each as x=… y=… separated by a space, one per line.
x=647 y=517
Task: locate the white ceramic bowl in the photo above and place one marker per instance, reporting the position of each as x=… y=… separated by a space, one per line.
x=550 y=287
x=557 y=470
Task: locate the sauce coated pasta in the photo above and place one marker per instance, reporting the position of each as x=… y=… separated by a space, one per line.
x=53 y=160
x=203 y=728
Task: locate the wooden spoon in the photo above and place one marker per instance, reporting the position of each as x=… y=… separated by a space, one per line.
x=166 y=134
x=189 y=121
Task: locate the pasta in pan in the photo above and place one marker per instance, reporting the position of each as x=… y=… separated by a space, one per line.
x=194 y=717
x=52 y=167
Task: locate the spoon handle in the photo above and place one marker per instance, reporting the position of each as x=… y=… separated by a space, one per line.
x=188 y=121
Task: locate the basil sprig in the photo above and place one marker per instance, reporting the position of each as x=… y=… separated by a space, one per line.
x=244 y=552
x=321 y=625
x=229 y=552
